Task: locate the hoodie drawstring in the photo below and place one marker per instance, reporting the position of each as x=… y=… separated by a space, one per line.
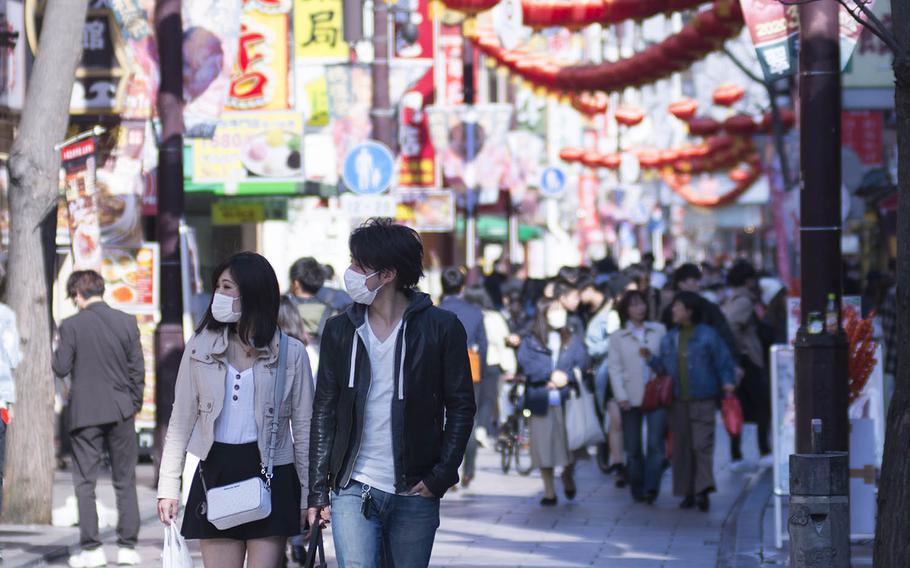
x=404 y=342
x=353 y=360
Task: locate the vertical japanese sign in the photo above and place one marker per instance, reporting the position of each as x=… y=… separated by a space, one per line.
x=12 y=61
x=260 y=77
x=451 y=44
x=423 y=47
x=861 y=130
x=82 y=204
x=318 y=33
x=773 y=37
x=142 y=55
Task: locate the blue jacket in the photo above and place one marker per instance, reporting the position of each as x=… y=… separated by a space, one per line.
x=471 y=317
x=711 y=365
x=536 y=362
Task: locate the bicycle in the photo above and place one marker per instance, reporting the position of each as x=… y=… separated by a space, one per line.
x=514 y=443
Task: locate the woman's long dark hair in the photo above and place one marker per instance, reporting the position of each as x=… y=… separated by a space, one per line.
x=259 y=298
x=623 y=308
x=541 y=329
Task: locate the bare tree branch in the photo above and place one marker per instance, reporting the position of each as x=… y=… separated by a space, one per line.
x=873 y=24
x=742 y=67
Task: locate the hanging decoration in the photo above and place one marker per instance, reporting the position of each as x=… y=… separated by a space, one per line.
x=741 y=125
x=629 y=115
x=684 y=109
x=703 y=126
x=577 y=14
x=590 y=104
x=728 y=94
x=470 y=7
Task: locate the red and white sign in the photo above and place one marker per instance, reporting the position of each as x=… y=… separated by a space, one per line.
x=861 y=131
x=451 y=44
x=423 y=47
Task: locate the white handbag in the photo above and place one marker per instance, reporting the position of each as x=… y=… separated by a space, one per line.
x=582 y=426
x=251 y=499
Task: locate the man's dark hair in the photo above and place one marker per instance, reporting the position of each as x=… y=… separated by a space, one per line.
x=452 y=281
x=568 y=275
x=692 y=302
x=687 y=271
x=380 y=244
x=86 y=283
x=309 y=274
x=741 y=273
x=260 y=299
x=648 y=258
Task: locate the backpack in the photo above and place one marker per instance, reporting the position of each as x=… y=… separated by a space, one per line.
x=314 y=314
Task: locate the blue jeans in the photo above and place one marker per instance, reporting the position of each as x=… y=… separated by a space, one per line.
x=400 y=528
x=644 y=472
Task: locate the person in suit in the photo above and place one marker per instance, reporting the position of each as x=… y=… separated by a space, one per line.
x=99 y=348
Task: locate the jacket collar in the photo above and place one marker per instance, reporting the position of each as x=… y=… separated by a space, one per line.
x=418 y=302
x=215 y=344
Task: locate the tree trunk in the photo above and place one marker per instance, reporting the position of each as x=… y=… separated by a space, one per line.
x=33 y=172
x=892 y=530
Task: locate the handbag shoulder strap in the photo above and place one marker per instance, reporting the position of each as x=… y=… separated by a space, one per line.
x=279 y=393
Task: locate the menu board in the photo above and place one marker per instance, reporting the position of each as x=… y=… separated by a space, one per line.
x=147 y=328
x=131 y=278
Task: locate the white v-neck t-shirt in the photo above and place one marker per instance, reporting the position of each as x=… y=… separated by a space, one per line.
x=375 y=465
x=237 y=422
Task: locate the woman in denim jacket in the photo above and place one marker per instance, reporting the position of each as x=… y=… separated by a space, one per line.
x=551 y=357
x=702 y=368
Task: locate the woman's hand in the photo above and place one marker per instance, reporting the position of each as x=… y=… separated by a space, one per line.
x=625 y=405
x=645 y=352
x=167 y=510
x=559 y=378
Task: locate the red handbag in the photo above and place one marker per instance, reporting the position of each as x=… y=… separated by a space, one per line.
x=658 y=393
x=732 y=413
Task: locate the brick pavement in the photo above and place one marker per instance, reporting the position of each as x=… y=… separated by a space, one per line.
x=497 y=522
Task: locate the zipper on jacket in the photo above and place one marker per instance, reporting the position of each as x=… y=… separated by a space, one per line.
x=349 y=471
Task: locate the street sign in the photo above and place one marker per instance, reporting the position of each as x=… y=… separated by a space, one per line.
x=552 y=181
x=368 y=168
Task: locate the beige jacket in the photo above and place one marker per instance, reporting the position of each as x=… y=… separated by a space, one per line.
x=739 y=309
x=627 y=367
x=199 y=397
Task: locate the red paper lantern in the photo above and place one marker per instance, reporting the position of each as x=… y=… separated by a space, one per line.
x=611 y=161
x=739 y=175
x=649 y=159
x=740 y=124
x=728 y=94
x=703 y=126
x=590 y=103
x=570 y=155
x=590 y=159
x=787 y=120
x=668 y=157
x=470 y=7
x=629 y=116
x=684 y=109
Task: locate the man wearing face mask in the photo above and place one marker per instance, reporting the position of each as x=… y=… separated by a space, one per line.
x=99 y=348
x=394 y=407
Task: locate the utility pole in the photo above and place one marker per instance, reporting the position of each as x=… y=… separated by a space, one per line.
x=382 y=113
x=169 y=335
x=821 y=358
x=469 y=123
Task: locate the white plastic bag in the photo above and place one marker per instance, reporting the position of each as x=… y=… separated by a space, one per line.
x=582 y=426
x=175 y=553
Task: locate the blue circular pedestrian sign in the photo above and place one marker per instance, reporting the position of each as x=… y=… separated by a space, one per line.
x=552 y=181
x=368 y=168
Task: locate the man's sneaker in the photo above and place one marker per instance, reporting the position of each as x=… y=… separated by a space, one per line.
x=128 y=557
x=94 y=558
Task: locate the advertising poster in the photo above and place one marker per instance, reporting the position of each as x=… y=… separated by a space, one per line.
x=78 y=161
x=350 y=91
x=259 y=80
x=142 y=55
x=870 y=66
x=862 y=131
x=417 y=156
x=774 y=41
x=850 y=32
x=251 y=146
x=318 y=31
x=131 y=278
x=211 y=31
x=120 y=183
x=146 y=415
x=423 y=47
x=426 y=210
x=12 y=61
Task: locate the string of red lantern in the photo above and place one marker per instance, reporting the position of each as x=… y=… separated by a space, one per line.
x=575 y=14
x=590 y=104
x=682 y=186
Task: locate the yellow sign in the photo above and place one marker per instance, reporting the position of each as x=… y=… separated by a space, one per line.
x=227 y=213
x=251 y=146
x=317 y=94
x=318 y=33
x=260 y=77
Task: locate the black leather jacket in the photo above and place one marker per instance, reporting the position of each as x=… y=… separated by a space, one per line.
x=433 y=404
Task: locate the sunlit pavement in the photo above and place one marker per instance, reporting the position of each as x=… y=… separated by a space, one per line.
x=496 y=522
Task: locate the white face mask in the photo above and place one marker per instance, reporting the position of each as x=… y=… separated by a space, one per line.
x=356 y=285
x=223 y=309
x=557 y=318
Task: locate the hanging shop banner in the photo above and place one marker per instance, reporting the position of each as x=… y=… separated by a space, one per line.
x=211 y=31
x=774 y=40
x=103 y=74
x=419 y=19
x=12 y=61
x=870 y=66
x=426 y=210
x=850 y=32
x=147 y=328
x=317 y=99
x=350 y=91
x=142 y=54
x=416 y=156
x=260 y=77
x=451 y=43
x=131 y=278
x=318 y=33
x=862 y=131
x=79 y=165
x=251 y=146
x=120 y=184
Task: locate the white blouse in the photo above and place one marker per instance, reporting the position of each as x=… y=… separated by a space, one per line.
x=237 y=422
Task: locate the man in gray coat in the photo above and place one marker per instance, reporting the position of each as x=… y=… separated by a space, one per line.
x=99 y=348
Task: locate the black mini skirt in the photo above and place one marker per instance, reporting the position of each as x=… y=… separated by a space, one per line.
x=230 y=463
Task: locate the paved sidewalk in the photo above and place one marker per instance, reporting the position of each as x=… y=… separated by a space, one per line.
x=497 y=522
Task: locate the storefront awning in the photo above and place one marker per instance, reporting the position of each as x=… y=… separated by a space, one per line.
x=496 y=229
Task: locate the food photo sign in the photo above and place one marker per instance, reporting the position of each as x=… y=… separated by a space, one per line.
x=251 y=146
x=131 y=278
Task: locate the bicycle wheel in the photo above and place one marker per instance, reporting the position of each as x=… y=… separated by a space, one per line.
x=522 y=449
x=505 y=456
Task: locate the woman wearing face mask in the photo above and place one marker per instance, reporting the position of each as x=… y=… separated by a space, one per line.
x=224 y=404
x=552 y=356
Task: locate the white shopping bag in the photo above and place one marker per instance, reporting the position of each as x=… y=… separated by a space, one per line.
x=175 y=553
x=582 y=426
